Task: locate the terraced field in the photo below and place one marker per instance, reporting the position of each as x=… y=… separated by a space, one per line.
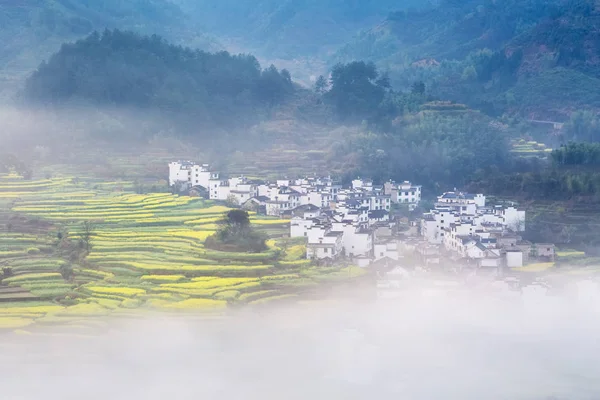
x=73 y=249
x=529 y=149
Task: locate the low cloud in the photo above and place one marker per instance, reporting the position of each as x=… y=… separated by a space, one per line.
x=423 y=345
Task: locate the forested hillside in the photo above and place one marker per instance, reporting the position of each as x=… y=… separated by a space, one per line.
x=30 y=31
x=124 y=69
x=531 y=57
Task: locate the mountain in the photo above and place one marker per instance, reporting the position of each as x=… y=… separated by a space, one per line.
x=294 y=34
x=290 y=28
x=126 y=70
x=30 y=31
x=529 y=57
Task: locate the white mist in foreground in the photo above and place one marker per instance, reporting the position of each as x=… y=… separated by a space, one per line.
x=457 y=346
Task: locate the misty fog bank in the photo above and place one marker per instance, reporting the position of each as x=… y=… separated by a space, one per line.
x=460 y=346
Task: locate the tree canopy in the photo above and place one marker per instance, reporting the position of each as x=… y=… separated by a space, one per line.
x=357 y=89
x=125 y=69
x=236 y=234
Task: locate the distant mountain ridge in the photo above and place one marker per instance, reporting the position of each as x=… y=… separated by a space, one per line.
x=290 y=28
x=499 y=56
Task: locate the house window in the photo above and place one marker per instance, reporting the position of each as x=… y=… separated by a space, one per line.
x=381 y=254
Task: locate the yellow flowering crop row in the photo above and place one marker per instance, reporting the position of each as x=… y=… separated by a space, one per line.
x=203 y=221
x=197 y=268
x=265 y=300
x=256 y=295
x=95 y=273
x=29 y=277
x=166 y=296
x=570 y=253
x=212 y=210
x=37 y=310
x=82 y=309
x=190 y=304
x=188 y=292
x=79 y=212
x=14 y=322
x=41 y=184
x=111 y=304
x=207 y=227
x=209 y=284
x=269 y=221
x=279 y=277
x=200 y=235
x=296 y=263
x=12 y=253
x=272 y=244
x=163 y=278
x=160 y=219
x=122 y=291
x=227 y=295
x=294 y=253
x=143 y=246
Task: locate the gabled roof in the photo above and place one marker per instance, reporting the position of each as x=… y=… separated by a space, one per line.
x=378 y=214
x=307 y=207
x=334 y=233
x=480 y=246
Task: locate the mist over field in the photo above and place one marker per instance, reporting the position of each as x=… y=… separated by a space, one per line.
x=466 y=345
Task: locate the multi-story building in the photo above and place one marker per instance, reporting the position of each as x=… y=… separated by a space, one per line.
x=190 y=174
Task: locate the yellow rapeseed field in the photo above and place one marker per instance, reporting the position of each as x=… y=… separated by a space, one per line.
x=14 y=322
x=120 y=291
x=35 y=310
x=163 y=278
x=191 y=304
x=269 y=221
x=209 y=284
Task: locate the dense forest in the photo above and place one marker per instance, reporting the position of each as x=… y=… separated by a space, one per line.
x=118 y=68
x=409 y=133
x=529 y=57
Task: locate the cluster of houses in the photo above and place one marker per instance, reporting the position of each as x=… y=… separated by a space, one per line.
x=353 y=222
x=464 y=229
x=357 y=222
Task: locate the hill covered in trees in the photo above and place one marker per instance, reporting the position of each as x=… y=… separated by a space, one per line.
x=30 y=31
x=124 y=69
x=529 y=57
